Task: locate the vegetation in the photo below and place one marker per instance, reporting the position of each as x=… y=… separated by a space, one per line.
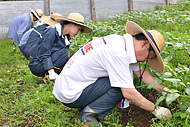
x=25 y=101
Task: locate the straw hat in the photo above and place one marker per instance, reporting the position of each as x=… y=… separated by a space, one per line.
x=51 y=20
x=156 y=40
x=76 y=18
x=38 y=13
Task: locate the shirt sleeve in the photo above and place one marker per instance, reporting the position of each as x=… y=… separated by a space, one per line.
x=119 y=71
x=44 y=48
x=24 y=27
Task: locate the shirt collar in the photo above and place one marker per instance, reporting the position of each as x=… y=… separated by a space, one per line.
x=59 y=27
x=130 y=48
x=31 y=16
x=67 y=42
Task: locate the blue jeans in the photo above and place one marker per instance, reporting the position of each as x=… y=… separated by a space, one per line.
x=99 y=96
x=37 y=67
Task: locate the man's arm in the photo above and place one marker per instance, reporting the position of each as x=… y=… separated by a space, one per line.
x=132 y=95
x=148 y=78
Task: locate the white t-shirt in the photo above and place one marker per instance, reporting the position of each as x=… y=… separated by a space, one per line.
x=94 y=60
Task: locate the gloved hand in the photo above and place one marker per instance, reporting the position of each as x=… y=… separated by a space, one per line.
x=165 y=89
x=52 y=74
x=162 y=113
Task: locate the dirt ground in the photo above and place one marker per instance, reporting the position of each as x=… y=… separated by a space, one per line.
x=136 y=116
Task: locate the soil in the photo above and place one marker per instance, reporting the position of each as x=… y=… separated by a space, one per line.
x=136 y=116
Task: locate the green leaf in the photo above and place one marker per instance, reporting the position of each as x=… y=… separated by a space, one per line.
x=177 y=114
x=167 y=59
x=167 y=75
x=173 y=80
x=182 y=84
x=157 y=80
x=187 y=90
x=159 y=100
x=171 y=97
x=183 y=115
x=173 y=91
x=150 y=85
x=184 y=106
x=188 y=111
x=187 y=121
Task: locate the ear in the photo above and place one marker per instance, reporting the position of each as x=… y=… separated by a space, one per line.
x=145 y=43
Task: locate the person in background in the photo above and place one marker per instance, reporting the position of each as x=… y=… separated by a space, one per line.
x=32 y=36
x=52 y=51
x=100 y=74
x=22 y=23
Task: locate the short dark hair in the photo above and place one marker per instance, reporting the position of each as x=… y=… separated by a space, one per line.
x=67 y=22
x=68 y=37
x=140 y=36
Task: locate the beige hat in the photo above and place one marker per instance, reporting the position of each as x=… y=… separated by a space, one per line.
x=51 y=20
x=75 y=18
x=156 y=40
x=38 y=13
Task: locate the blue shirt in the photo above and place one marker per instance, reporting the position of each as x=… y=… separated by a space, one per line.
x=19 y=26
x=25 y=37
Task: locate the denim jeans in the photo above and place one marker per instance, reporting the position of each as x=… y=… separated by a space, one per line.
x=99 y=96
x=37 y=67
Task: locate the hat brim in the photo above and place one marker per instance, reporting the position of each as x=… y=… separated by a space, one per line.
x=85 y=28
x=34 y=12
x=48 y=20
x=156 y=63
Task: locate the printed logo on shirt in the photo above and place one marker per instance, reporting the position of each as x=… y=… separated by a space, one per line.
x=85 y=49
x=72 y=59
x=91 y=45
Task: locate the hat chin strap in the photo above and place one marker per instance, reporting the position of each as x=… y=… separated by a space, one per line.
x=143 y=68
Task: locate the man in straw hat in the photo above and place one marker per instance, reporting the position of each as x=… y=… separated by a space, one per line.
x=100 y=74
x=22 y=23
x=51 y=52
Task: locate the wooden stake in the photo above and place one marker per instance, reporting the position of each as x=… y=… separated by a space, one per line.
x=47 y=7
x=167 y=4
x=93 y=10
x=130 y=5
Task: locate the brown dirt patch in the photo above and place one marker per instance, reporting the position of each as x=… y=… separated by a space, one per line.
x=135 y=115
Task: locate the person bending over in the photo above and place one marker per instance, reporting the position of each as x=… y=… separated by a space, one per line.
x=100 y=74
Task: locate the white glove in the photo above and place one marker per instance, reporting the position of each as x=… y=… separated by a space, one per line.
x=162 y=113
x=52 y=74
x=164 y=93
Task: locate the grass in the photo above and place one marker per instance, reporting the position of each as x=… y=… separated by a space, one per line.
x=25 y=101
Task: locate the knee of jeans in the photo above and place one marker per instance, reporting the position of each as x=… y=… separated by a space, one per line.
x=37 y=69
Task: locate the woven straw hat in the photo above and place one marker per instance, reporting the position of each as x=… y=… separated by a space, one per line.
x=76 y=18
x=156 y=40
x=50 y=20
x=38 y=13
